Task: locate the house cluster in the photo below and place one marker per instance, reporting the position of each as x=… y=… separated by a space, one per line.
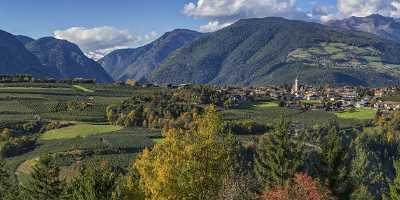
x=300 y=96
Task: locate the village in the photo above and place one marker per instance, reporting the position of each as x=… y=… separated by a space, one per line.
x=298 y=96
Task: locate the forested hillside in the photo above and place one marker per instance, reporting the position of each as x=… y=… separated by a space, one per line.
x=276 y=50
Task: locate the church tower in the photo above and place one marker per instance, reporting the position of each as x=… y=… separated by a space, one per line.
x=295 y=88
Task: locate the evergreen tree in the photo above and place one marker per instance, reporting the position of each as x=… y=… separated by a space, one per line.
x=334 y=161
x=44 y=183
x=4 y=180
x=94 y=183
x=395 y=185
x=278 y=156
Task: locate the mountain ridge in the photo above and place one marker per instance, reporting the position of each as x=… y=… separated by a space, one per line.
x=259 y=51
x=139 y=62
x=386 y=27
x=66 y=58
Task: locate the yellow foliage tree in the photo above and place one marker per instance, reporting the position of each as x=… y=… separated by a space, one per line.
x=188 y=164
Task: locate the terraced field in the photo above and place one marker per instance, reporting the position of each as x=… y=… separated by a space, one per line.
x=339 y=55
x=78 y=130
x=91 y=138
x=360 y=114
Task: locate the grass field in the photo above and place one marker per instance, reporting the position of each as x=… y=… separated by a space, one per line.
x=79 y=130
x=267 y=105
x=360 y=114
x=83 y=89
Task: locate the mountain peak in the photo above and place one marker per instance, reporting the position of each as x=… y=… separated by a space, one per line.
x=137 y=63
x=67 y=58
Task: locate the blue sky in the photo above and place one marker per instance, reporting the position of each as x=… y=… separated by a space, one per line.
x=99 y=26
x=37 y=18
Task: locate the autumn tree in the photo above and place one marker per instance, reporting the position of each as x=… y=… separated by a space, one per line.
x=188 y=164
x=301 y=187
x=130 y=186
x=278 y=156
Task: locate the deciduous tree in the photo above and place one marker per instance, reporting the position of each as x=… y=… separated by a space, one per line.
x=188 y=164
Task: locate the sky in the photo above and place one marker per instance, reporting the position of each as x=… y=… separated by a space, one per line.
x=100 y=26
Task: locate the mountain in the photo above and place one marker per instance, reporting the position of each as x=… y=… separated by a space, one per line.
x=385 y=27
x=138 y=63
x=24 y=39
x=15 y=59
x=67 y=59
x=276 y=50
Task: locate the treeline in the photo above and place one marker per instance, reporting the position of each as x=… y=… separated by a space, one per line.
x=20 y=138
x=159 y=110
x=26 y=78
x=199 y=159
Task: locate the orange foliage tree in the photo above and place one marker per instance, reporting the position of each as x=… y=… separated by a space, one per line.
x=301 y=187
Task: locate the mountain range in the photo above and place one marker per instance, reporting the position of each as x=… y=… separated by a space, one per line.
x=138 y=63
x=276 y=50
x=46 y=58
x=354 y=51
x=67 y=59
x=386 y=27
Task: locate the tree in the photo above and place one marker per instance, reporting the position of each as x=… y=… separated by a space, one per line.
x=334 y=162
x=130 y=186
x=5 y=134
x=278 y=156
x=94 y=183
x=188 y=164
x=395 y=185
x=4 y=180
x=301 y=187
x=372 y=166
x=44 y=183
x=237 y=187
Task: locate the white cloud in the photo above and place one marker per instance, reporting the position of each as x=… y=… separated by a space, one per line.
x=213 y=26
x=98 y=41
x=221 y=13
x=362 y=8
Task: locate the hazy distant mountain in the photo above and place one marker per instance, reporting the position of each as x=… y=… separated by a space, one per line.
x=138 y=63
x=15 y=59
x=24 y=39
x=385 y=27
x=67 y=59
x=276 y=50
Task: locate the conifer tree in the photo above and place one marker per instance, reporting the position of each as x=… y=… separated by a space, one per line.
x=45 y=183
x=278 y=156
x=4 y=180
x=334 y=160
x=395 y=185
x=95 y=182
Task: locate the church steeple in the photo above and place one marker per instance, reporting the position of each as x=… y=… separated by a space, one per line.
x=295 y=87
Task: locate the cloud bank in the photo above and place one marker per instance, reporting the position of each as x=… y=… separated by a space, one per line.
x=98 y=41
x=221 y=13
x=362 y=8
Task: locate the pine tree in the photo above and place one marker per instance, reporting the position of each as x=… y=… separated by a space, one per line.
x=95 y=182
x=337 y=172
x=4 y=180
x=278 y=156
x=395 y=185
x=45 y=183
